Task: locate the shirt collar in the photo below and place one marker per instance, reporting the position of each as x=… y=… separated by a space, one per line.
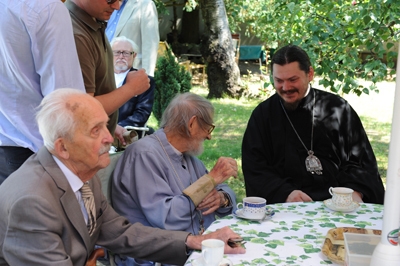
x=308 y=100
x=173 y=153
x=74 y=181
x=123 y=73
x=308 y=90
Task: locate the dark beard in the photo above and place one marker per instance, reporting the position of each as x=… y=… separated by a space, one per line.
x=290 y=106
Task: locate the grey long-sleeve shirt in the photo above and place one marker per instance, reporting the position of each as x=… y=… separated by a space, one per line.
x=146 y=189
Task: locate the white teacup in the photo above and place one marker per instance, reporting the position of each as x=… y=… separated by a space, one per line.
x=212 y=251
x=253 y=207
x=342 y=197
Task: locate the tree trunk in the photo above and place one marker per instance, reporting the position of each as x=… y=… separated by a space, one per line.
x=222 y=70
x=174 y=29
x=190 y=32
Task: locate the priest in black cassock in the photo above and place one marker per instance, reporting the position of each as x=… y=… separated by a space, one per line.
x=302 y=141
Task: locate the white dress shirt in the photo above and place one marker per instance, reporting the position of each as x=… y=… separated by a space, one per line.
x=119 y=78
x=76 y=183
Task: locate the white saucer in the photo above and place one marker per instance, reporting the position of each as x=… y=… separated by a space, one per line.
x=200 y=262
x=239 y=213
x=353 y=206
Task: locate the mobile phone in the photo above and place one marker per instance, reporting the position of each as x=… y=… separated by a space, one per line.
x=237 y=242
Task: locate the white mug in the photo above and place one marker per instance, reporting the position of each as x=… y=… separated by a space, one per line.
x=212 y=251
x=253 y=207
x=342 y=197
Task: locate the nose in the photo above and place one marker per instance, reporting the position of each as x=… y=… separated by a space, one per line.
x=108 y=137
x=115 y=5
x=285 y=86
x=120 y=55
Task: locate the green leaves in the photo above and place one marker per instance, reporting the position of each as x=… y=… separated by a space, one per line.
x=291 y=6
x=342 y=40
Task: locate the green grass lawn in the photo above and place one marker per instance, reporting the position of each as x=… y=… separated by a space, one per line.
x=231 y=116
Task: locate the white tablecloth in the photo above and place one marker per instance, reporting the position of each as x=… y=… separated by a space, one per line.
x=295 y=234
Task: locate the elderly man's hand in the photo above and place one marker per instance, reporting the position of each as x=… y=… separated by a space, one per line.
x=212 y=201
x=223 y=169
x=224 y=234
x=138 y=81
x=298 y=196
x=119 y=131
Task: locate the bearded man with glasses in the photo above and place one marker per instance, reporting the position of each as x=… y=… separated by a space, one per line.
x=160 y=182
x=137 y=110
x=96 y=59
x=138 y=21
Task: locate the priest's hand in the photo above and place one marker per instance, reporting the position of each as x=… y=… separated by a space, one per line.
x=298 y=196
x=223 y=169
x=357 y=197
x=212 y=201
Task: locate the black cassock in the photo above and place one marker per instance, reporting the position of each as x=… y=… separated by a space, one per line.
x=273 y=157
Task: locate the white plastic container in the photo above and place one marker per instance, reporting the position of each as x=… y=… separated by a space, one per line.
x=359 y=248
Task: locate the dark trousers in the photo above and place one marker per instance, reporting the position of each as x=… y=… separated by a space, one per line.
x=11 y=158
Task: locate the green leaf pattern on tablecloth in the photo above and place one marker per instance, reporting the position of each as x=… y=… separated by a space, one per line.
x=251 y=232
x=295 y=234
x=258 y=240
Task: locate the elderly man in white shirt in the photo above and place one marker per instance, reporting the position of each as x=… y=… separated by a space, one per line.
x=136 y=111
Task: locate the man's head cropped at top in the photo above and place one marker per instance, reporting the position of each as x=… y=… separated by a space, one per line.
x=124 y=51
x=190 y=117
x=74 y=129
x=292 y=73
x=99 y=9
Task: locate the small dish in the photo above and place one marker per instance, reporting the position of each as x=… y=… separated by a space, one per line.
x=239 y=214
x=353 y=206
x=200 y=262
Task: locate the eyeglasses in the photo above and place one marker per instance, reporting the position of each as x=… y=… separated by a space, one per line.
x=110 y=2
x=211 y=129
x=124 y=53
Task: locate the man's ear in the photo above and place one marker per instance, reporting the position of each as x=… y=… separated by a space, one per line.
x=311 y=74
x=191 y=124
x=60 y=148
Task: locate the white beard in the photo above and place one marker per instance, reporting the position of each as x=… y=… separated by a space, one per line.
x=196 y=151
x=121 y=68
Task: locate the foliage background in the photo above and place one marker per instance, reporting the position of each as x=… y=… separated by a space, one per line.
x=170 y=79
x=332 y=32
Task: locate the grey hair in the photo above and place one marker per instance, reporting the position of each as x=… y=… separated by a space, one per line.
x=182 y=108
x=135 y=48
x=55 y=118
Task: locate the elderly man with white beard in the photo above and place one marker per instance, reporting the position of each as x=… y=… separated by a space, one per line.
x=159 y=182
x=137 y=110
